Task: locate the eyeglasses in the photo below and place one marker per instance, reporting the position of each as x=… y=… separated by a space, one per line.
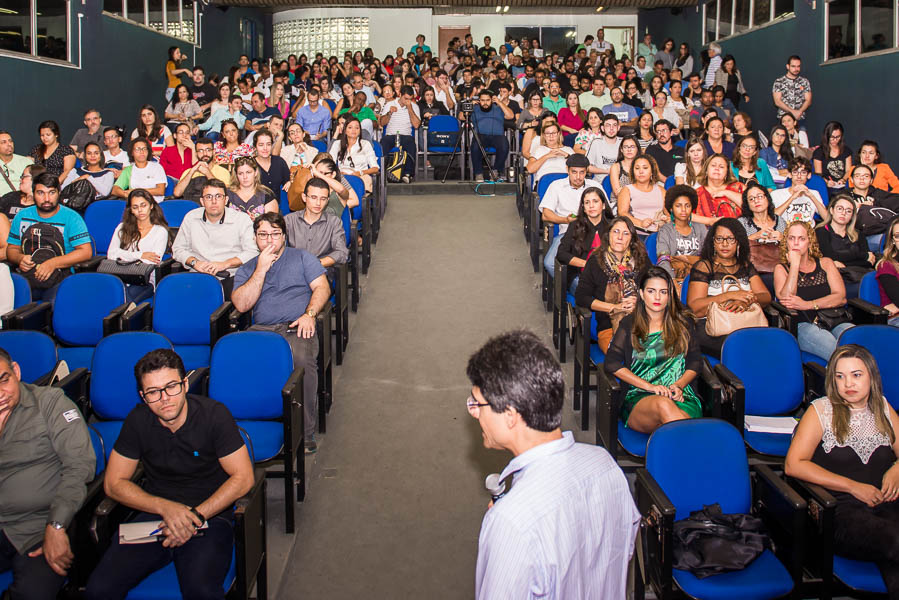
x=846 y=210
x=757 y=197
x=725 y=240
x=751 y=148
x=155 y=395
x=213 y=197
x=274 y=235
x=800 y=172
x=473 y=405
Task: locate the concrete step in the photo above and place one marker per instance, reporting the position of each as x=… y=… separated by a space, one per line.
x=450 y=187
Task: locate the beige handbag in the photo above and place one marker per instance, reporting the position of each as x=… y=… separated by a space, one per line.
x=722 y=322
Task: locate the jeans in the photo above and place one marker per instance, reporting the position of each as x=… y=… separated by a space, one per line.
x=305 y=354
x=549 y=261
x=500 y=143
x=874 y=242
x=45 y=294
x=407 y=143
x=870 y=534
x=818 y=341
x=894 y=321
x=201 y=563
x=32 y=578
x=138 y=293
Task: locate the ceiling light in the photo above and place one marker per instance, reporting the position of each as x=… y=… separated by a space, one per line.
x=599 y=8
x=506 y=8
x=7 y=11
x=498 y=8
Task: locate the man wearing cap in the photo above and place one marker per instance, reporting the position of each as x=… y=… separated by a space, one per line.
x=489 y=119
x=562 y=200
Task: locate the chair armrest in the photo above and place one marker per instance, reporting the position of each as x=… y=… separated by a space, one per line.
x=35 y=316
x=342 y=285
x=788 y=318
x=292 y=397
x=249 y=535
x=108 y=514
x=814 y=380
x=239 y=321
x=198 y=381
x=821 y=506
x=139 y=318
x=112 y=323
x=163 y=269
x=733 y=397
x=709 y=389
x=88 y=266
x=783 y=511
x=560 y=281
x=865 y=313
x=582 y=334
x=608 y=405
x=656 y=533
x=74 y=386
x=220 y=322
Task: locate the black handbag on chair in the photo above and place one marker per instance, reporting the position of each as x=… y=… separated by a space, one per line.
x=134 y=272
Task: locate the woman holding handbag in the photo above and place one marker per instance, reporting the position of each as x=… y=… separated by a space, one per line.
x=680 y=241
x=764 y=228
x=656 y=354
x=143 y=235
x=811 y=285
x=724 y=285
x=608 y=285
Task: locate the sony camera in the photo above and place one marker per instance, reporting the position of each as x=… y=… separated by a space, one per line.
x=467 y=105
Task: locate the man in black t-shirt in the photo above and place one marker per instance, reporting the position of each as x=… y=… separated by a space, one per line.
x=663 y=150
x=196 y=466
x=201 y=90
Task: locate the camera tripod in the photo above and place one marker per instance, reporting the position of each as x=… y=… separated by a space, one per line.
x=468 y=129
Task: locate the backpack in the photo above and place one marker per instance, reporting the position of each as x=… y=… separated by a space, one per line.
x=42 y=241
x=395 y=162
x=194 y=189
x=872 y=220
x=78 y=195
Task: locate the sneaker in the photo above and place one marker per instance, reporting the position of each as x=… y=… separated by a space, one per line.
x=479 y=178
x=407 y=179
x=310 y=446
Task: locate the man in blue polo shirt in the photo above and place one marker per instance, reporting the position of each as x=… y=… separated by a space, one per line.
x=314 y=118
x=261 y=114
x=489 y=119
x=286 y=288
x=46 y=240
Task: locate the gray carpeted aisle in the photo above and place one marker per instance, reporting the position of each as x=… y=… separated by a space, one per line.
x=396 y=494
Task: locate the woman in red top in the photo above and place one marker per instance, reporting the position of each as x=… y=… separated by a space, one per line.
x=720 y=194
x=176 y=159
x=571 y=118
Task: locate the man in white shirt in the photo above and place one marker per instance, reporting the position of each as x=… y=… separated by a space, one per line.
x=603 y=151
x=215 y=239
x=566 y=527
x=600 y=44
x=714 y=64
x=398 y=118
x=12 y=165
x=798 y=202
x=562 y=200
x=443 y=91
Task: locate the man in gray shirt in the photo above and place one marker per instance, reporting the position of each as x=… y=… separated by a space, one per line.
x=286 y=288
x=316 y=230
x=46 y=459
x=91 y=132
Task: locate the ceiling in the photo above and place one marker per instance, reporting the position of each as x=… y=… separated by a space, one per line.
x=468 y=6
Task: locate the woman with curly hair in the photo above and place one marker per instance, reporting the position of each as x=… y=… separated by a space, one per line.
x=810 y=284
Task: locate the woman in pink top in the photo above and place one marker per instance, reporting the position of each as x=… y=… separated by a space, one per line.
x=277 y=99
x=643 y=200
x=888 y=273
x=571 y=118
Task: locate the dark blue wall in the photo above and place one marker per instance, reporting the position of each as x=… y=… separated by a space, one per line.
x=122 y=67
x=852 y=92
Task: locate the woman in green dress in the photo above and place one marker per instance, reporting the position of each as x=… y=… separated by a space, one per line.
x=656 y=354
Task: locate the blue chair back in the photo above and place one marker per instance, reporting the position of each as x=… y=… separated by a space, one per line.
x=33 y=350
x=607 y=187
x=358 y=187
x=883 y=242
x=174 y=210
x=868 y=289
x=681 y=143
x=347 y=224
x=99 y=447
x=331 y=104
x=670 y=181
x=113 y=391
x=82 y=301
x=379 y=151
x=754 y=353
x=284 y=203
x=170 y=183
x=183 y=304
x=320 y=145
x=21 y=290
x=443 y=123
x=651 y=246
x=685 y=288
x=699 y=462
x=547 y=179
x=254 y=393
x=101 y=218
x=881 y=341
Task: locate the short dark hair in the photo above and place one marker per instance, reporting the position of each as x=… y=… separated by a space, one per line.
x=105 y=130
x=317 y=182
x=799 y=161
x=664 y=122
x=275 y=219
x=676 y=191
x=47 y=180
x=407 y=90
x=216 y=183
x=155 y=360
x=205 y=141
x=793 y=57
x=517 y=370
x=199 y=68
x=327 y=163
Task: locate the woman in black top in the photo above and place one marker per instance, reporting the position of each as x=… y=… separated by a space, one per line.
x=429 y=106
x=57 y=158
x=273 y=171
x=809 y=283
x=724 y=263
x=583 y=236
x=833 y=159
x=848 y=445
x=840 y=242
x=608 y=285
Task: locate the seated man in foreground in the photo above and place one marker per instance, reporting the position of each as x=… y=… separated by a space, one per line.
x=45 y=460
x=196 y=466
x=286 y=288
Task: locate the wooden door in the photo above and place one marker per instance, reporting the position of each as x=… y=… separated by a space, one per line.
x=444 y=35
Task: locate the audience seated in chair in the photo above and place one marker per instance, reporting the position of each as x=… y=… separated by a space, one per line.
x=847 y=443
x=286 y=288
x=313 y=117
x=643 y=199
x=550 y=155
x=229 y=148
x=47 y=460
x=93 y=170
x=839 y=241
x=13 y=165
x=583 y=236
x=764 y=228
x=883 y=176
x=179 y=157
x=193 y=180
x=719 y=191
x=315 y=229
x=680 y=240
x=246 y=193
x=273 y=171
x=142 y=173
x=608 y=285
x=142 y=235
x=190 y=489
x=354 y=155
x=398 y=118
x=603 y=151
x=888 y=273
x=91 y=132
x=153 y=130
x=114 y=155
x=799 y=202
x=230 y=113
x=656 y=354
x=489 y=121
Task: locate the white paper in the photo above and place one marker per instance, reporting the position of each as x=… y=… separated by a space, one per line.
x=770 y=424
x=139 y=532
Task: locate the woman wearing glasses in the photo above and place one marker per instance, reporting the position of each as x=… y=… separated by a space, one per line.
x=550 y=155
x=246 y=193
x=842 y=243
x=724 y=275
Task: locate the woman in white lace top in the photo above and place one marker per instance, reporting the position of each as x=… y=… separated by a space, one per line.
x=848 y=444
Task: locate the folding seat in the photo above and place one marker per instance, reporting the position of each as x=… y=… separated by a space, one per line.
x=34 y=351
x=536 y=218
x=440 y=138
x=175 y=210
x=694 y=463
x=101 y=218
x=882 y=341
x=363 y=217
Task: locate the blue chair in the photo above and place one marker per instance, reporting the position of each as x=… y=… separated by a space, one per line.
x=33 y=350
x=170 y=183
x=866 y=309
x=5 y=580
x=672 y=486
x=350 y=232
x=881 y=341
x=670 y=181
x=536 y=228
x=748 y=357
x=113 y=391
x=606 y=185
x=449 y=127
x=21 y=291
x=650 y=244
x=284 y=203
x=588 y=359
x=267 y=402
x=101 y=218
x=320 y=145
x=362 y=215
x=682 y=143
x=175 y=210
x=562 y=299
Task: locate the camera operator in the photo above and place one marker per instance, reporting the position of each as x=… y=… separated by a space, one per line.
x=488 y=119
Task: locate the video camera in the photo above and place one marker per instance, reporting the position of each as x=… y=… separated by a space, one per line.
x=467 y=105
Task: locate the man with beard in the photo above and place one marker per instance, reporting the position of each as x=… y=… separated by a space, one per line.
x=489 y=119
x=190 y=186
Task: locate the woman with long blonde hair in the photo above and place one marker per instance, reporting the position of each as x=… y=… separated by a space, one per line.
x=246 y=192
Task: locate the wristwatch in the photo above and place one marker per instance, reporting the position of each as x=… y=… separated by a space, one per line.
x=311 y=313
x=191 y=263
x=56 y=525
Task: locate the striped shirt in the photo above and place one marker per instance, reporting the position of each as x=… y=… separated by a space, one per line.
x=565 y=530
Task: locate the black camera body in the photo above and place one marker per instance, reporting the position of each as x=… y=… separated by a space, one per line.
x=467 y=105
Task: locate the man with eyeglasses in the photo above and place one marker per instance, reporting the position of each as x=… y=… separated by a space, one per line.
x=286 y=288
x=215 y=239
x=190 y=185
x=567 y=524
x=798 y=202
x=12 y=165
x=316 y=230
x=45 y=461
x=196 y=466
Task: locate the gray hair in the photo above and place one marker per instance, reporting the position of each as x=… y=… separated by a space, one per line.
x=715 y=47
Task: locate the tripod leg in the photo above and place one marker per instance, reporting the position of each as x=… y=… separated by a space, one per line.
x=453 y=156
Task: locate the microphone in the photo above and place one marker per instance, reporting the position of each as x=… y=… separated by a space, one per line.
x=495 y=486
